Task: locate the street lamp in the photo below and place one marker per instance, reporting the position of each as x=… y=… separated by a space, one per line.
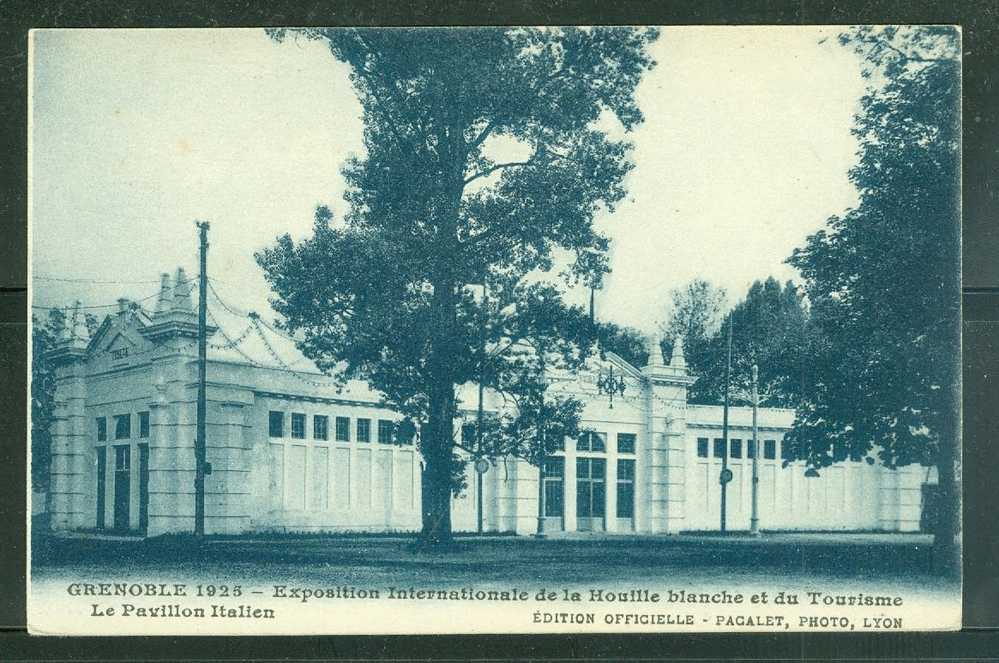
x=608 y=384
x=754 y=520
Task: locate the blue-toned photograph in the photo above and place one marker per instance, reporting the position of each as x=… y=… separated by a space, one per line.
x=495 y=330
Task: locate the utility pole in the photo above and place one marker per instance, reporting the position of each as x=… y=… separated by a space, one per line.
x=478 y=416
x=542 y=454
x=724 y=477
x=200 y=447
x=754 y=521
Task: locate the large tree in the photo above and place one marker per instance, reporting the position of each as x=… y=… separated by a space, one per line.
x=486 y=152
x=769 y=328
x=884 y=278
x=694 y=314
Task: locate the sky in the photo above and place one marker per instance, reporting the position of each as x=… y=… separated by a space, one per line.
x=135 y=134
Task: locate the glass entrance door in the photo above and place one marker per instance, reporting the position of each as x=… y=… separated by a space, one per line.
x=591 y=494
x=102 y=478
x=143 y=487
x=122 y=486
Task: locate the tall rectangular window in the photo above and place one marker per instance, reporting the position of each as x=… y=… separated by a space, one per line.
x=590 y=490
x=468 y=435
x=591 y=441
x=385 y=431
x=298 y=425
x=275 y=424
x=625 y=488
x=750 y=448
x=102 y=429
x=702 y=447
x=143 y=424
x=122 y=426
x=321 y=427
x=102 y=477
x=770 y=449
x=554 y=486
x=626 y=443
x=785 y=451
x=343 y=429
x=364 y=430
x=719 y=447
x=736 y=448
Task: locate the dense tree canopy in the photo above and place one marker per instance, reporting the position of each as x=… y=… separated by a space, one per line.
x=485 y=153
x=770 y=329
x=883 y=279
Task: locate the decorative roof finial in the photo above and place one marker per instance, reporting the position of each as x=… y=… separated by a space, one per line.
x=655 y=350
x=182 y=292
x=678 y=360
x=165 y=300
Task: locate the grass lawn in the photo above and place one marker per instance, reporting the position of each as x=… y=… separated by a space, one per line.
x=385 y=560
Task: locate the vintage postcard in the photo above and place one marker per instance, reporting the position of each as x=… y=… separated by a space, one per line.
x=495 y=330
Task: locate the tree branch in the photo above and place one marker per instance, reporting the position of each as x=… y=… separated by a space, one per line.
x=908 y=56
x=493 y=169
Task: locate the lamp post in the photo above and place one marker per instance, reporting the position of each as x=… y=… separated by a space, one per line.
x=754 y=521
x=608 y=384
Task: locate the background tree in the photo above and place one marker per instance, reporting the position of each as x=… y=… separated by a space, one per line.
x=45 y=333
x=884 y=278
x=695 y=313
x=770 y=329
x=484 y=152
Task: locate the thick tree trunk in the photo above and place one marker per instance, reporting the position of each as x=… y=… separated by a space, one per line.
x=946 y=545
x=438 y=443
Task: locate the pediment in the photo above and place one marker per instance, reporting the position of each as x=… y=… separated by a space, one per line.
x=117 y=339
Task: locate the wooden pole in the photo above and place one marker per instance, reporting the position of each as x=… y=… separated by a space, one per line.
x=200 y=447
x=728 y=372
x=754 y=521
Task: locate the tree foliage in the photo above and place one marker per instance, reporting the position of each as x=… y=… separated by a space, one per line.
x=770 y=329
x=694 y=314
x=44 y=335
x=485 y=152
x=884 y=278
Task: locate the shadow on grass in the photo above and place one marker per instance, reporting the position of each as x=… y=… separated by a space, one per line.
x=576 y=559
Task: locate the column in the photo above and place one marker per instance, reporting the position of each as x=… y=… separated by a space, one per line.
x=72 y=458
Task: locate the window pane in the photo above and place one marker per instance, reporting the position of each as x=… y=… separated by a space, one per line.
x=582 y=468
x=702 y=447
x=553 y=498
x=102 y=429
x=719 y=450
x=785 y=451
x=769 y=449
x=599 y=500
x=143 y=424
x=583 y=499
x=385 y=430
x=598 y=468
x=598 y=441
x=276 y=424
x=122 y=426
x=626 y=443
x=343 y=429
x=298 y=425
x=468 y=434
x=364 y=430
x=625 y=499
x=583 y=442
x=736 y=448
x=320 y=427
x=554 y=467
x=625 y=469
x=750 y=448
